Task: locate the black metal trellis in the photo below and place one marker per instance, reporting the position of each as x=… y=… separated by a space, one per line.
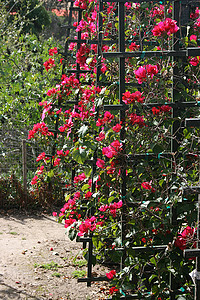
x=178 y=106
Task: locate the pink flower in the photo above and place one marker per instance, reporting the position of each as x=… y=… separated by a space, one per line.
x=165 y=108
x=41 y=156
x=113 y=149
x=117 y=128
x=69 y=222
x=86 y=225
x=129 y=98
x=80 y=177
x=193 y=37
x=156 y=111
x=140 y=74
x=101 y=136
x=50 y=63
x=136 y=120
x=100 y=163
x=146 y=185
x=134 y=47
x=34 y=180
x=54 y=214
x=56 y=162
x=111 y=274
x=88 y=195
x=185 y=238
x=167 y=27
x=194 y=61
x=53 y=51
x=113 y=290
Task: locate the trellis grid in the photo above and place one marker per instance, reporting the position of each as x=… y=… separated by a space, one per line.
x=181 y=13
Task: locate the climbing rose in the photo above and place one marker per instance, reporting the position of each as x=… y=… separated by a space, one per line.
x=194 y=61
x=41 y=156
x=129 y=98
x=111 y=274
x=112 y=150
x=100 y=163
x=185 y=238
x=34 y=180
x=146 y=185
x=142 y=72
x=167 y=27
x=53 y=51
x=117 y=128
x=113 y=290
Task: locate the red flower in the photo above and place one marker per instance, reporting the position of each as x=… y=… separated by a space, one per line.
x=111 y=274
x=167 y=27
x=88 y=195
x=117 y=128
x=146 y=185
x=113 y=290
x=100 y=163
x=41 y=156
x=53 y=51
x=185 y=238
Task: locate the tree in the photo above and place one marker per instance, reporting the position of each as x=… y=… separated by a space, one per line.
x=28 y=15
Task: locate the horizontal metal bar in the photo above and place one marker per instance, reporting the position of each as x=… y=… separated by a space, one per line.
x=195 y=51
x=173 y=104
x=84 y=239
x=191 y=190
x=78 y=71
x=188 y=253
x=103 y=42
x=189 y=2
x=90 y=279
x=192 y=122
x=133 y=296
x=149 y=155
x=75 y=8
x=66 y=103
x=68 y=26
x=124 y=1
x=116 y=107
x=117 y=84
x=144 y=249
x=180 y=53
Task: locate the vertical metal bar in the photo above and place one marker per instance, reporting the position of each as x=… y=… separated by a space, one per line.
x=69 y=24
x=99 y=45
x=24 y=167
x=197 y=284
x=121 y=14
x=176 y=123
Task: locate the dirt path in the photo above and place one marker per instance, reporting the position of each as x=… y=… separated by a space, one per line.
x=37 y=261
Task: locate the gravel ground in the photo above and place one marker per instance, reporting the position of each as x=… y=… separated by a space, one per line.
x=38 y=261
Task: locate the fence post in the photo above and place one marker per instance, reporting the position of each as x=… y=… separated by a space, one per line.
x=24 y=165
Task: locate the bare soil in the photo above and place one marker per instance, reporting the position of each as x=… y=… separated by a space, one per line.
x=37 y=261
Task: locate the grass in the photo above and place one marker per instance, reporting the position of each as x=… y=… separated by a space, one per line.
x=80 y=263
x=78 y=273
x=56 y=274
x=13 y=233
x=49 y=266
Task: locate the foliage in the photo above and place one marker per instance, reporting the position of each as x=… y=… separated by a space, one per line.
x=133 y=146
x=22 y=86
x=29 y=16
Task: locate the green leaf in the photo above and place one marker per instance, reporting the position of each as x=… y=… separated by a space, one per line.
x=82 y=131
x=79 y=155
x=72 y=234
x=152 y=277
